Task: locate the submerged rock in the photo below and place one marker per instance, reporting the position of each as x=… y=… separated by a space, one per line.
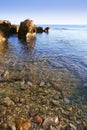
x=8 y=102
x=50 y=121
x=23 y=124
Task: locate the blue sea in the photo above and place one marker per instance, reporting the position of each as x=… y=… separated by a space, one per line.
x=65 y=47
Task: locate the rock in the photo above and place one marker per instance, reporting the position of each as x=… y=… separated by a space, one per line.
x=46 y=29
x=2 y=37
x=50 y=121
x=5 y=27
x=23 y=83
x=55 y=102
x=14 y=29
x=30 y=83
x=6 y=73
x=39 y=30
x=66 y=100
x=3 y=42
x=42 y=83
x=8 y=102
x=27 y=30
x=37 y=119
x=72 y=126
x=30 y=37
x=23 y=124
x=12 y=126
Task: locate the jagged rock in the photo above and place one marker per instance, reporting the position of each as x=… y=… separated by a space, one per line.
x=39 y=30
x=5 y=27
x=27 y=30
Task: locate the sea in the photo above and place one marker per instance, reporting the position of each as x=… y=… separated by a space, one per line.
x=65 y=47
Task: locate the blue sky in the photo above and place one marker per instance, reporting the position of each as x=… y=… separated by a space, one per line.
x=45 y=11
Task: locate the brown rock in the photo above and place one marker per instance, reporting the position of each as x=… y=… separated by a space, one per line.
x=3 y=42
x=37 y=119
x=5 y=27
x=27 y=30
x=23 y=124
x=2 y=37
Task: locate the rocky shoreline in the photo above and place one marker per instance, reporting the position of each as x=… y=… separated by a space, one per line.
x=31 y=98
x=34 y=95
x=26 y=30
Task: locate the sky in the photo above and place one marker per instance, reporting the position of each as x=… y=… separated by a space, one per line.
x=44 y=11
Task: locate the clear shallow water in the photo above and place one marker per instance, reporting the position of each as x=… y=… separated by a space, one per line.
x=64 y=47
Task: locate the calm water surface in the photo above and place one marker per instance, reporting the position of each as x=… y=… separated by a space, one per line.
x=64 y=47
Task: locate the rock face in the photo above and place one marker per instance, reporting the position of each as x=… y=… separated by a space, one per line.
x=27 y=30
x=5 y=27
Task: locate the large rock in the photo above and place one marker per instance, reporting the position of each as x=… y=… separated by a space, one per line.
x=5 y=27
x=27 y=30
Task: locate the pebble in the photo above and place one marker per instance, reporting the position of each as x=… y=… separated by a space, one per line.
x=37 y=119
x=30 y=83
x=8 y=102
x=66 y=100
x=42 y=83
x=6 y=73
x=50 y=121
x=55 y=102
x=22 y=83
x=12 y=126
x=72 y=126
x=23 y=124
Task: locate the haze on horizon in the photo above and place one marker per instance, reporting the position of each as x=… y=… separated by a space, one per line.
x=45 y=12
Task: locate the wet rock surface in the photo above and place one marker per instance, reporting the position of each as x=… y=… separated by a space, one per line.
x=34 y=96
